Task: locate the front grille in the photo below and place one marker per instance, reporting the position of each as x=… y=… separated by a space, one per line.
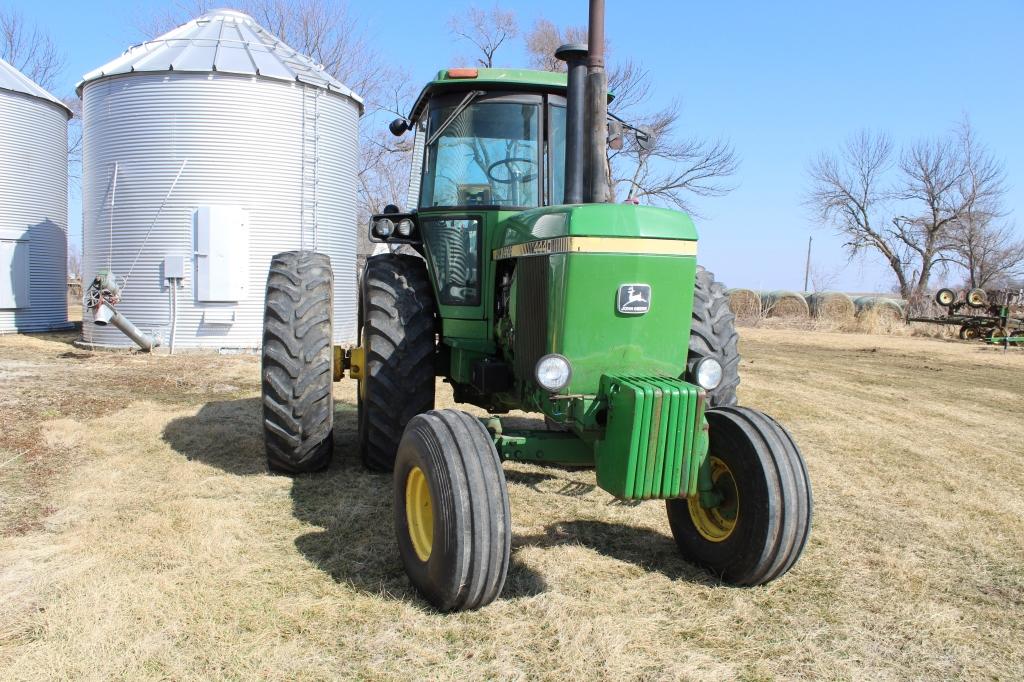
x=531 y=323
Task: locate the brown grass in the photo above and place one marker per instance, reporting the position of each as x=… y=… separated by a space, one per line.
x=143 y=538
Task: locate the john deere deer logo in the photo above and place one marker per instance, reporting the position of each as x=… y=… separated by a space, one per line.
x=634 y=299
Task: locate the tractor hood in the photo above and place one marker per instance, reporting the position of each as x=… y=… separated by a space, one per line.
x=609 y=287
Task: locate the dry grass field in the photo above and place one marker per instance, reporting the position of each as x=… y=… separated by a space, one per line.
x=141 y=536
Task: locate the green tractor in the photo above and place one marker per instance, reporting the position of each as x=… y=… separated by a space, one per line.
x=518 y=283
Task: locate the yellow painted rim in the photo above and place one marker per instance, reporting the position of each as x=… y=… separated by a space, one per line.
x=419 y=513
x=717 y=523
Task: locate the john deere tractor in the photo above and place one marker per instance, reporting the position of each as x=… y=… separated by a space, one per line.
x=518 y=283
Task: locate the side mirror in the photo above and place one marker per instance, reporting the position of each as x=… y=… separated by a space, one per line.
x=400 y=126
x=644 y=139
x=614 y=135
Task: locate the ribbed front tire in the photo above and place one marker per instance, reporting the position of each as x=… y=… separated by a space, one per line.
x=761 y=526
x=296 y=372
x=398 y=330
x=452 y=516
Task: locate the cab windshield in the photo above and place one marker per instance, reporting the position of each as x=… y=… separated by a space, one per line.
x=488 y=155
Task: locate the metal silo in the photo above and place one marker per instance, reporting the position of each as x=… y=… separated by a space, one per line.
x=33 y=205
x=205 y=152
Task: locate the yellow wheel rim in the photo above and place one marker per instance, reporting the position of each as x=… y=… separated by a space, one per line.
x=419 y=513
x=717 y=523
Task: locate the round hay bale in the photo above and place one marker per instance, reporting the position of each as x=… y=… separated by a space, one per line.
x=785 y=304
x=831 y=305
x=744 y=303
x=883 y=306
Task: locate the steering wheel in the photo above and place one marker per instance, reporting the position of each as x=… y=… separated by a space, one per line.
x=515 y=175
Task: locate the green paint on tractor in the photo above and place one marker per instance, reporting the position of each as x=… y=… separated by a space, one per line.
x=594 y=316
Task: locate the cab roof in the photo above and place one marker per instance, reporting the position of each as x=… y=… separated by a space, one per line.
x=454 y=80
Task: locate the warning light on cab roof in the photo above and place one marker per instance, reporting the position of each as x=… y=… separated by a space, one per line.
x=462 y=73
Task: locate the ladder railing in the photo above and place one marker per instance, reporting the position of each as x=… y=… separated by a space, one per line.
x=309 y=194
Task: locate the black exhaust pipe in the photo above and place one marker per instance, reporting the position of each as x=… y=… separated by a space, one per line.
x=597 y=107
x=575 y=57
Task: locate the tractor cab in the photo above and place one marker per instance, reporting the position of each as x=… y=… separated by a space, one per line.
x=489 y=143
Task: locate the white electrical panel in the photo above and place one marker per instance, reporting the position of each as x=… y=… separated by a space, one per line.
x=222 y=253
x=14 y=273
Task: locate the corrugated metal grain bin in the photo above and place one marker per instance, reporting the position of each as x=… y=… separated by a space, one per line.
x=206 y=151
x=33 y=205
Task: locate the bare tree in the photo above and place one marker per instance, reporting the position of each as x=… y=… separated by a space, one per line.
x=990 y=254
x=29 y=49
x=486 y=30
x=545 y=37
x=75 y=262
x=942 y=187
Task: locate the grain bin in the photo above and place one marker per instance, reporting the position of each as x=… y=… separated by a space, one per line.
x=33 y=205
x=207 y=151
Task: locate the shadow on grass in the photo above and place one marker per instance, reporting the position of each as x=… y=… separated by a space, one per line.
x=352 y=506
x=646 y=548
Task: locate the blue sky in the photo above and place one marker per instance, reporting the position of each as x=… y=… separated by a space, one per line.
x=782 y=81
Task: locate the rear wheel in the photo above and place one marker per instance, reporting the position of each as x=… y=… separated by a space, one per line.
x=713 y=334
x=296 y=373
x=761 y=518
x=398 y=341
x=452 y=515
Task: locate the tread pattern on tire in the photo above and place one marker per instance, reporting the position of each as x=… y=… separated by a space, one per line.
x=713 y=333
x=398 y=337
x=296 y=371
x=472 y=503
x=788 y=492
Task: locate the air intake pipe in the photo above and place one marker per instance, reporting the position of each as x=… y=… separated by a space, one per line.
x=575 y=57
x=104 y=314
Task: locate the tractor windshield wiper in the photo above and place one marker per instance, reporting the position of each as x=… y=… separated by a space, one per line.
x=470 y=96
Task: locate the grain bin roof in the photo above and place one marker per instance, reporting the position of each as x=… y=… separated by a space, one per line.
x=15 y=81
x=222 y=40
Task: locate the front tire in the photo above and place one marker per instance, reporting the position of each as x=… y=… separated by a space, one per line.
x=761 y=525
x=713 y=334
x=397 y=331
x=452 y=514
x=296 y=371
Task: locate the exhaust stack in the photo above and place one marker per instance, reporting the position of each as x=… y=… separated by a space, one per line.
x=597 y=107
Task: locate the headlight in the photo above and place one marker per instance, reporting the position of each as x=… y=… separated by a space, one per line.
x=552 y=372
x=708 y=373
x=404 y=227
x=383 y=228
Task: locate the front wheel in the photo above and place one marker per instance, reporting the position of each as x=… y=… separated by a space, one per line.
x=761 y=516
x=451 y=510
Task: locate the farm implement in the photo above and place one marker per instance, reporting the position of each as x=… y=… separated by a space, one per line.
x=517 y=282
x=996 y=317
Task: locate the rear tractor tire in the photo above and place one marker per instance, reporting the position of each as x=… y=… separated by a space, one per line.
x=762 y=521
x=397 y=333
x=296 y=372
x=452 y=515
x=713 y=334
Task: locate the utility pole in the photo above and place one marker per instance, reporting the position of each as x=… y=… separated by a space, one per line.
x=807 y=268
